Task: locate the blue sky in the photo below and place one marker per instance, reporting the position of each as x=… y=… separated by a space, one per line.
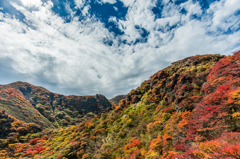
x=85 y=47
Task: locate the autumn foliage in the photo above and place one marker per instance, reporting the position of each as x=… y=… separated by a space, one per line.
x=190 y=109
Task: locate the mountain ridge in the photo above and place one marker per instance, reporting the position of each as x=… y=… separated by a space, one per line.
x=55 y=109
x=189 y=109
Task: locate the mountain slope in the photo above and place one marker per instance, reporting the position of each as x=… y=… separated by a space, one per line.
x=116 y=100
x=30 y=103
x=13 y=102
x=12 y=129
x=190 y=109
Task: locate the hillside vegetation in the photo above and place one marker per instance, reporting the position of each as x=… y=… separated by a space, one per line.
x=115 y=100
x=30 y=103
x=190 y=109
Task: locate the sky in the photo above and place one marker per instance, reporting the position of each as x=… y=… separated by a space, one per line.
x=88 y=47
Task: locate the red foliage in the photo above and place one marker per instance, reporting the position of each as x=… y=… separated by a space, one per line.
x=33 y=141
x=39 y=148
x=187 y=154
x=31 y=152
x=232 y=150
x=179 y=146
x=210 y=116
x=166 y=109
x=134 y=143
x=189 y=103
x=135 y=154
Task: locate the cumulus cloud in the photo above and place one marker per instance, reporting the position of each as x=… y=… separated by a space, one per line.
x=74 y=58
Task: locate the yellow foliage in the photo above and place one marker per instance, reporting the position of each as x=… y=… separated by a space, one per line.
x=119 y=126
x=92 y=137
x=80 y=153
x=201 y=154
x=142 y=111
x=73 y=127
x=236 y=97
x=157 y=122
x=156 y=144
x=60 y=138
x=206 y=66
x=143 y=152
x=150 y=127
x=236 y=94
x=2 y=154
x=90 y=126
x=218 y=80
x=117 y=108
x=236 y=115
x=36 y=156
x=152 y=154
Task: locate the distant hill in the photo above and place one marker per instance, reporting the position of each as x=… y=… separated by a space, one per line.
x=116 y=100
x=35 y=104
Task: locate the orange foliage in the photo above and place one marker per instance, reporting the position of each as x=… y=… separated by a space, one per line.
x=210 y=146
x=156 y=144
x=185 y=117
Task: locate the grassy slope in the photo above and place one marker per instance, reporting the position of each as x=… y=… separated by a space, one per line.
x=187 y=110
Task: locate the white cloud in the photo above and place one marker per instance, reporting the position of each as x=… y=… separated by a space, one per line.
x=128 y=3
x=109 y=1
x=223 y=14
x=85 y=10
x=80 y=3
x=73 y=58
x=31 y=3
